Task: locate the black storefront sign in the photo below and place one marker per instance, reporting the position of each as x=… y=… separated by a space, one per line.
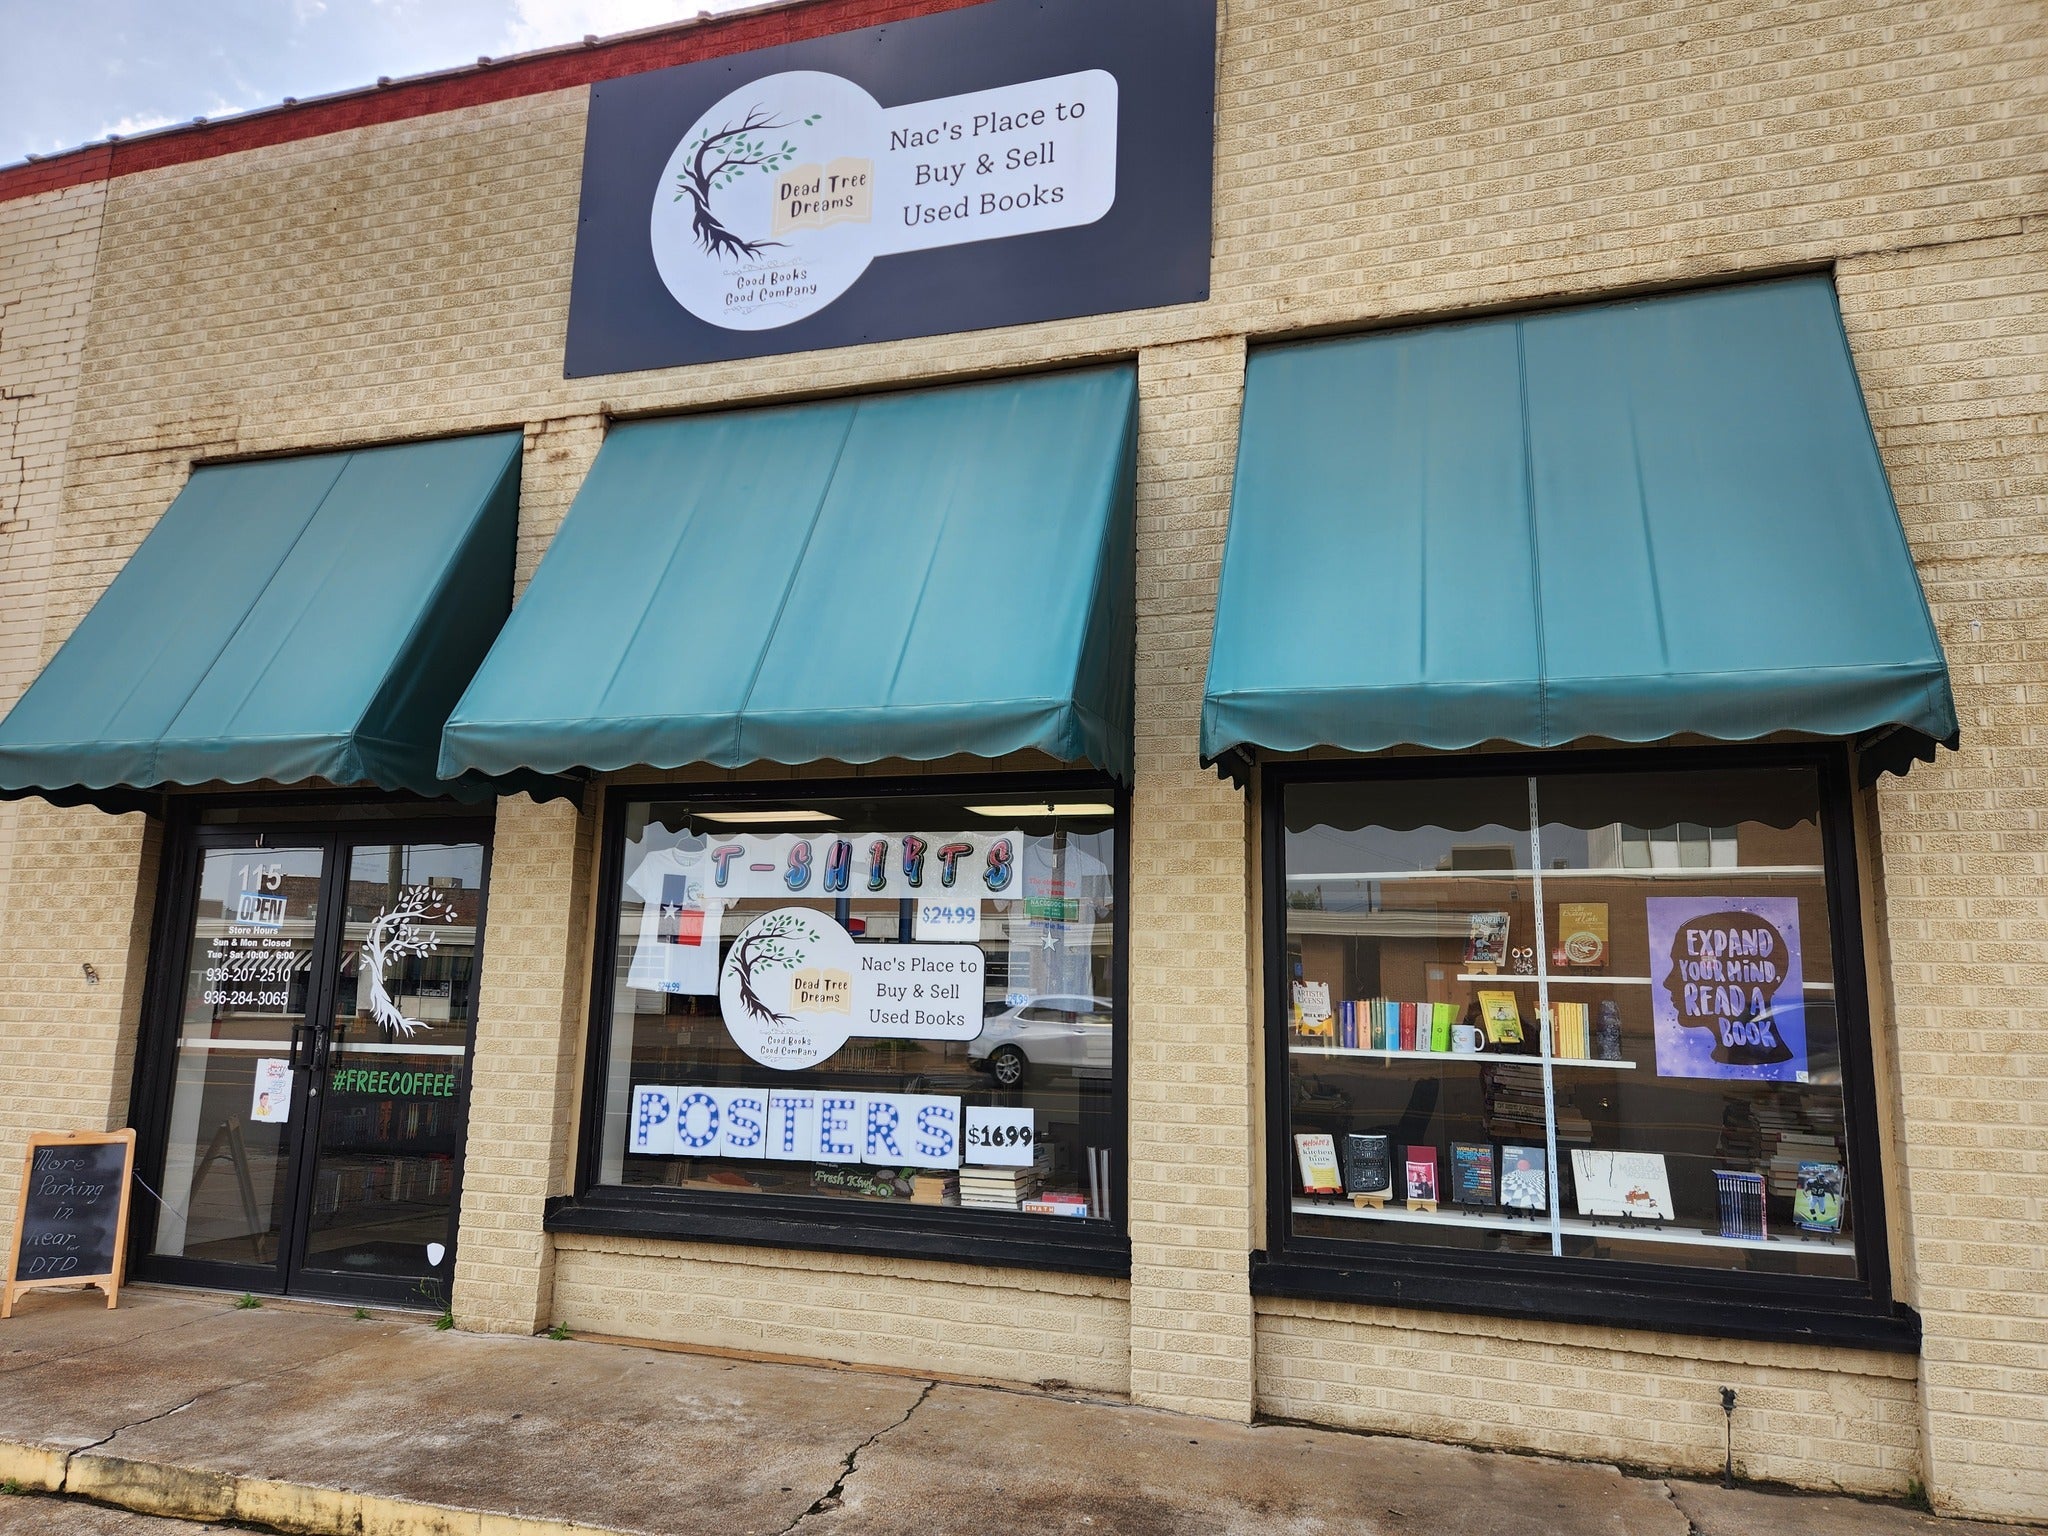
x=1016 y=161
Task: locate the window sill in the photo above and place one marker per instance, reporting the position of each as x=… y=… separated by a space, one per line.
x=1838 y=1316
x=944 y=1234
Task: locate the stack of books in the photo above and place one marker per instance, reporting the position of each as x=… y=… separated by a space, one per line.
x=1514 y=1108
x=998 y=1189
x=1742 y=1204
x=1570 y=1031
x=935 y=1189
x=1057 y=1203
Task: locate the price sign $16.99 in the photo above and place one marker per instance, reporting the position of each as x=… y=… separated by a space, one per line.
x=997 y=1136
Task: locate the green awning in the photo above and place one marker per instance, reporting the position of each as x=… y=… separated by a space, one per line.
x=909 y=576
x=288 y=619
x=1633 y=521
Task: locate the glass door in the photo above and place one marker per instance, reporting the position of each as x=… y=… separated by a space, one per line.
x=390 y=1069
x=314 y=1025
x=252 y=963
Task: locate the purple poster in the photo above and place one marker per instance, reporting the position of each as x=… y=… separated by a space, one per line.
x=1726 y=988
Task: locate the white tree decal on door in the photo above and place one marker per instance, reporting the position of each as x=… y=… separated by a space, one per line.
x=404 y=930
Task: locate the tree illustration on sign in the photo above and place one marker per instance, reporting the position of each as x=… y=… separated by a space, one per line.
x=404 y=930
x=722 y=158
x=769 y=947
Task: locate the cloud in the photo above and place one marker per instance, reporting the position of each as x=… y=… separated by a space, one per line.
x=136 y=122
x=546 y=23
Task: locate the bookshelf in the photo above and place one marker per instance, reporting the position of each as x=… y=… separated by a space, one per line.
x=1480 y=1058
x=1687 y=872
x=1582 y=979
x=1539 y=1226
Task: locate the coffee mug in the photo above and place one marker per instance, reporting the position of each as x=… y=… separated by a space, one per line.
x=1466 y=1039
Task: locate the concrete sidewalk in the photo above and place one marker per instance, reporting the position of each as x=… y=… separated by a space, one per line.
x=309 y=1419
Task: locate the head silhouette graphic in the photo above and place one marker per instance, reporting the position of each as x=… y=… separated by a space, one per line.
x=1727 y=969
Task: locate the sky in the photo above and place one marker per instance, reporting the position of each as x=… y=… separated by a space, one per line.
x=73 y=71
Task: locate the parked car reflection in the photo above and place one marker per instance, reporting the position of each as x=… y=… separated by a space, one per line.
x=1072 y=1034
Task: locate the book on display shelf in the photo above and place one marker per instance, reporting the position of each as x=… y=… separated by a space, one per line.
x=1316 y=1151
x=1632 y=1186
x=1524 y=1179
x=1368 y=1165
x=1472 y=1173
x=1421 y=1181
x=1817 y=1204
x=1486 y=941
x=1501 y=1013
x=1581 y=935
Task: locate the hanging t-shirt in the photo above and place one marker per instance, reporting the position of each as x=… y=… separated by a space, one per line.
x=1052 y=940
x=679 y=928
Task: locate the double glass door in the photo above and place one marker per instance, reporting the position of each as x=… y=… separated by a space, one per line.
x=314 y=1061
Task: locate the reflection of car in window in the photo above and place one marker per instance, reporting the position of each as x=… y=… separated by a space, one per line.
x=1070 y=1034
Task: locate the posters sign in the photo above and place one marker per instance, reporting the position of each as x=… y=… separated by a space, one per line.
x=795 y=987
x=798 y=1125
x=1727 y=989
x=1006 y=162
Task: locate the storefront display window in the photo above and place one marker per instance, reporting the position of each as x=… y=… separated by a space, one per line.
x=1573 y=1016
x=898 y=1002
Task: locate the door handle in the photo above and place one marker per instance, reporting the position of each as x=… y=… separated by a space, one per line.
x=292 y=1055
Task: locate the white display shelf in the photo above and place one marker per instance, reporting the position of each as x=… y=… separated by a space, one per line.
x=1576 y=979
x=1693 y=872
x=1539 y=1226
x=1483 y=1058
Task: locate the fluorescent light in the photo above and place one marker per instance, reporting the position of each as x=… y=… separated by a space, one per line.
x=762 y=818
x=1045 y=808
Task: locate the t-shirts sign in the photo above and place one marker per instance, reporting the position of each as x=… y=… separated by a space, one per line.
x=1007 y=162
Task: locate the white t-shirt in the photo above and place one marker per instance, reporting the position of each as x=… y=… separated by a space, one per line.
x=679 y=927
x=1052 y=940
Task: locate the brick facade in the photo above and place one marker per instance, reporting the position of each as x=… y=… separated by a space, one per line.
x=342 y=279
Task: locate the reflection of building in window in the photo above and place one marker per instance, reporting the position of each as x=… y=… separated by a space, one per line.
x=1684 y=846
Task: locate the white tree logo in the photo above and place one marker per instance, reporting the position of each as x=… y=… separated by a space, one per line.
x=404 y=930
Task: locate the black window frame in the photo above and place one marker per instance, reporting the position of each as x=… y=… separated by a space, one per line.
x=822 y=1223
x=1862 y=1312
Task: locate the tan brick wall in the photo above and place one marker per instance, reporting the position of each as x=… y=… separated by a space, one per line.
x=1375 y=163
x=49 y=249
x=84 y=888
x=1952 y=346
x=1815 y=1417
x=522 y=1104
x=1191 y=1028
x=953 y=1319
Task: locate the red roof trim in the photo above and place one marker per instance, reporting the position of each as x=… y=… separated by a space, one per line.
x=477 y=85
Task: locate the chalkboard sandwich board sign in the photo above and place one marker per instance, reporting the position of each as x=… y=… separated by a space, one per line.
x=72 y=1228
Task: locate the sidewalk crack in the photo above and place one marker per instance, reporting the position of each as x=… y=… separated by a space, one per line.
x=831 y=1498
x=123 y=1429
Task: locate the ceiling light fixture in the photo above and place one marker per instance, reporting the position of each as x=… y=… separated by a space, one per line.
x=762 y=818
x=1046 y=808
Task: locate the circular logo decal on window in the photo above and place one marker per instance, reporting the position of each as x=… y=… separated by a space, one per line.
x=786 y=989
x=765 y=212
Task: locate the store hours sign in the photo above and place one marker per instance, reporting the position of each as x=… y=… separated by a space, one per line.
x=1013 y=161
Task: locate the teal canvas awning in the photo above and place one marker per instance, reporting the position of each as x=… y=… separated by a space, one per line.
x=907 y=576
x=288 y=619
x=1632 y=522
